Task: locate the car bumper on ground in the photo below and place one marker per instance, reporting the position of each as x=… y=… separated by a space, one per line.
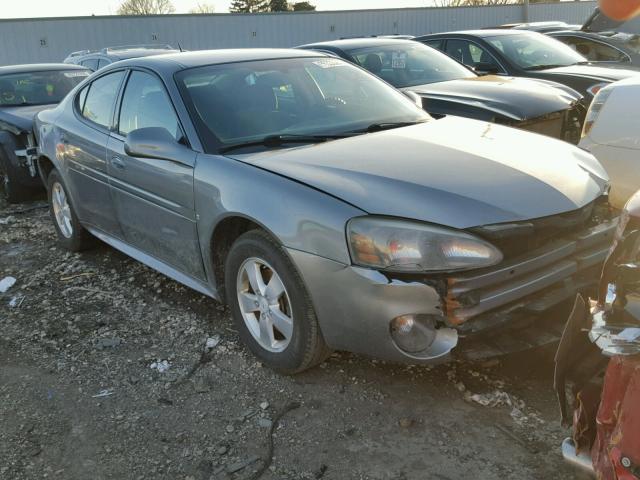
x=358 y=308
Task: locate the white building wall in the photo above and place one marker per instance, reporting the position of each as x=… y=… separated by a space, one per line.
x=51 y=39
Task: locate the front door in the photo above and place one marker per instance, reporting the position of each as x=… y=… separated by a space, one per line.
x=154 y=198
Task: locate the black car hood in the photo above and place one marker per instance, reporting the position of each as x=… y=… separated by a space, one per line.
x=19 y=119
x=515 y=98
x=456 y=172
x=603 y=74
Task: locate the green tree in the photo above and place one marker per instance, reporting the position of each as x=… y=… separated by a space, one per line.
x=279 y=6
x=146 y=7
x=249 y=6
x=303 y=6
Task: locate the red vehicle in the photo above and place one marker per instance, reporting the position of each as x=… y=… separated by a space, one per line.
x=603 y=366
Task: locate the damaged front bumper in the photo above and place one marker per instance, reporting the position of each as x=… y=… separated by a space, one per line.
x=356 y=307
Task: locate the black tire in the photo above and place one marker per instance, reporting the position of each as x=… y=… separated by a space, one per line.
x=307 y=347
x=14 y=191
x=79 y=238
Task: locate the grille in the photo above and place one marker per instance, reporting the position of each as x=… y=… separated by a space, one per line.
x=516 y=239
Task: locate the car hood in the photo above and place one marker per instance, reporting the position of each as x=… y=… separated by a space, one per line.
x=19 y=119
x=604 y=74
x=516 y=98
x=454 y=171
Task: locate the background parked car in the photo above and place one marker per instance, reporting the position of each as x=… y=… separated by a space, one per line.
x=613 y=136
x=24 y=91
x=526 y=54
x=449 y=88
x=615 y=48
x=324 y=206
x=96 y=59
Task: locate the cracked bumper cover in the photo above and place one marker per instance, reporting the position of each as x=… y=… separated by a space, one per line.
x=356 y=305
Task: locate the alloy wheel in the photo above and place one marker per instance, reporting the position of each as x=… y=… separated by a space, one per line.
x=264 y=304
x=61 y=210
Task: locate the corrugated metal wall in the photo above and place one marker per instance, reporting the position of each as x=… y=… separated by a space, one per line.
x=50 y=40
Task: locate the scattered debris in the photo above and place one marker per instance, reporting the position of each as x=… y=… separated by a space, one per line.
x=107 y=392
x=230 y=429
x=160 y=365
x=211 y=343
x=6 y=283
x=103 y=343
x=405 y=422
x=264 y=423
x=71 y=277
x=492 y=399
x=264 y=405
x=16 y=301
x=236 y=467
x=201 y=385
x=7 y=220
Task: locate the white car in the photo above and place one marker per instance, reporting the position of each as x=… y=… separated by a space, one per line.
x=612 y=133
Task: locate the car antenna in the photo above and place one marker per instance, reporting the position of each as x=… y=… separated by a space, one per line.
x=180 y=47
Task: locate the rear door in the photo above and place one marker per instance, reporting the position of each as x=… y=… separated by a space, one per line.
x=83 y=140
x=154 y=198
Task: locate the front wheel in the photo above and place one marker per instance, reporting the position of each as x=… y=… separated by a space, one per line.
x=71 y=234
x=271 y=306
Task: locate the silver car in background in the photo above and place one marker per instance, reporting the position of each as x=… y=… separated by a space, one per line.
x=325 y=207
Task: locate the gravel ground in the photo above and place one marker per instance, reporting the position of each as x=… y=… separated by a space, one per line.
x=85 y=392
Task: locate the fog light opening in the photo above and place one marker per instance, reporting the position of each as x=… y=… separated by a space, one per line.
x=413 y=333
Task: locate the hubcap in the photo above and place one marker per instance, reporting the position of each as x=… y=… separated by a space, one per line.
x=61 y=210
x=265 y=305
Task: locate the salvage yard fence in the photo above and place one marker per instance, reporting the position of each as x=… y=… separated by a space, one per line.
x=52 y=39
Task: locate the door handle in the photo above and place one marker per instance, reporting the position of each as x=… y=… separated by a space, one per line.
x=117 y=162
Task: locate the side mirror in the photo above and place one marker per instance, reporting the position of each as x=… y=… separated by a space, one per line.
x=414 y=97
x=486 y=68
x=156 y=142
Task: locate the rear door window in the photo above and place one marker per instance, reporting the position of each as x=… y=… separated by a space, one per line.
x=595 y=51
x=101 y=98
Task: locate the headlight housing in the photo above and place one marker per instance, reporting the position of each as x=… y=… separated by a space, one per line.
x=594 y=110
x=595 y=89
x=406 y=246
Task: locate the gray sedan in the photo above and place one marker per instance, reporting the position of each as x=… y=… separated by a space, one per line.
x=326 y=208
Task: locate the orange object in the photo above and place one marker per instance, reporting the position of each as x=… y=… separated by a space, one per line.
x=620 y=9
x=616 y=451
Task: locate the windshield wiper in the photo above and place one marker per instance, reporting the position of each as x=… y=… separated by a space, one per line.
x=545 y=67
x=378 y=127
x=274 y=141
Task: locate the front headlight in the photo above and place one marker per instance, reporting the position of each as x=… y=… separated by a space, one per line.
x=594 y=110
x=405 y=246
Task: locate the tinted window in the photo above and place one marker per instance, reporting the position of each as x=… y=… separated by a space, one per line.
x=534 y=50
x=103 y=62
x=408 y=64
x=595 y=51
x=471 y=54
x=98 y=105
x=38 y=88
x=146 y=104
x=91 y=63
x=251 y=100
x=434 y=44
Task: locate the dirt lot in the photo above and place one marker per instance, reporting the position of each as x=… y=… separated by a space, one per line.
x=79 y=399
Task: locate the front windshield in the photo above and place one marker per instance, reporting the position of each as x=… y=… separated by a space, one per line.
x=38 y=88
x=409 y=64
x=248 y=101
x=534 y=50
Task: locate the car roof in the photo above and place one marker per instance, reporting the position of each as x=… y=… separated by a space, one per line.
x=137 y=52
x=354 y=43
x=184 y=60
x=39 y=67
x=495 y=32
